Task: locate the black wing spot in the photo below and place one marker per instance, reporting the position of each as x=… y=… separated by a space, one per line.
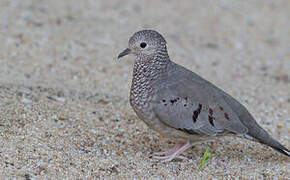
x=164 y=102
x=221 y=108
x=196 y=113
x=227 y=116
x=210 y=119
x=195 y=116
x=210 y=111
x=199 y=108
x=174 y=100
x=189 y=131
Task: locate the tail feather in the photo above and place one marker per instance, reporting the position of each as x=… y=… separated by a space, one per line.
x=263 y=137
x=255 y=131
x=282 y=150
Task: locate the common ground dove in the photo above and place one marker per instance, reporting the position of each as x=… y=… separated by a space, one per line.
x=180 y=104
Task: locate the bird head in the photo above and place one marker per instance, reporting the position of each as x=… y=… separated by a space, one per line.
x=145 y=43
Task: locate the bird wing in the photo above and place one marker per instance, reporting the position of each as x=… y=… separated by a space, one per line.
x=187 y=102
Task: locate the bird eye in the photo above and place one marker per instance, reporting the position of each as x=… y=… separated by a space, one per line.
x=143 y=45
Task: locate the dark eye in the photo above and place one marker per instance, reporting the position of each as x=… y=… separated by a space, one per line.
x=143 y=45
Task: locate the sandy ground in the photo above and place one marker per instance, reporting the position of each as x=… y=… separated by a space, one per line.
x=64 y=110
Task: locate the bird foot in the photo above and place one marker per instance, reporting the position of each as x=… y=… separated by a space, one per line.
x=169 y=158
x=172 y=153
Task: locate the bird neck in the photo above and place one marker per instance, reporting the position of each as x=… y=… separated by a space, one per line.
x=147 y=70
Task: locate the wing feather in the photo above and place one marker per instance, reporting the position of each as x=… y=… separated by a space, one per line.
x=187 y=102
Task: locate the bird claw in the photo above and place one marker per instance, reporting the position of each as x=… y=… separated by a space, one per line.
x=172 y=153
x=159 y=153
x=169 y=158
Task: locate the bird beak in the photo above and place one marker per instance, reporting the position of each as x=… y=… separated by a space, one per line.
x=124 y=53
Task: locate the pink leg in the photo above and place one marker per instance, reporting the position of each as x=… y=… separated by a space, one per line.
x=174 y=153
x=170 y=151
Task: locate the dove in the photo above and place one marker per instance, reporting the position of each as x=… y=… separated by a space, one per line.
x=181 y=105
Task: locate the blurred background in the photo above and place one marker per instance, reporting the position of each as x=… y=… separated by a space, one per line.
x=64 y=108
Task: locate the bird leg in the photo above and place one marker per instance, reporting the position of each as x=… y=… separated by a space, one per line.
x=172 y=153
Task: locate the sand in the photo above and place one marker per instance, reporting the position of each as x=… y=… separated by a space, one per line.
x=64 y=109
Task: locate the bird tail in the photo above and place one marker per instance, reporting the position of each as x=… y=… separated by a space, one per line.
x=263 y=137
